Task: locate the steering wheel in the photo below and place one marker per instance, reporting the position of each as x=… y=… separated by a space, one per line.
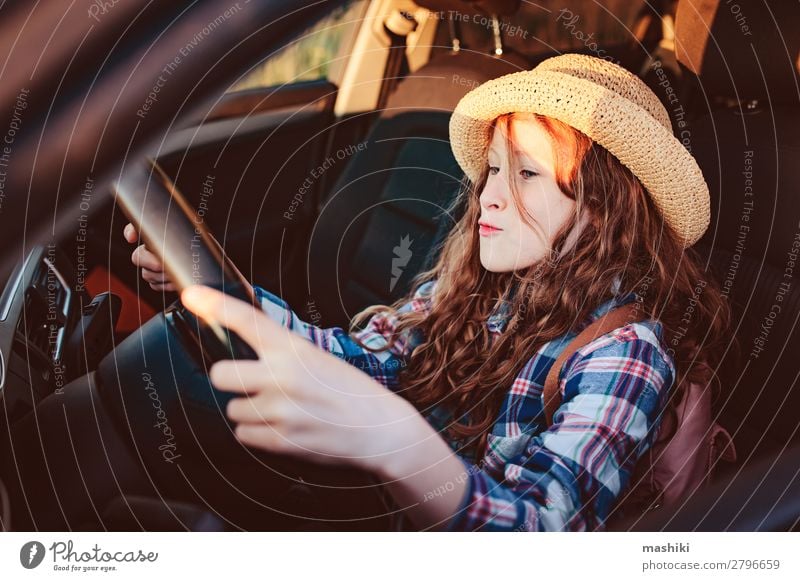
x=155 y=385
x=189 y=253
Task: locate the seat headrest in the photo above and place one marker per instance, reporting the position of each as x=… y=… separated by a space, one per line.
x=489 y=7
x=743 y=50
x=440 y=84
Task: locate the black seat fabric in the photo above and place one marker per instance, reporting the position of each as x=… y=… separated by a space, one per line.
x=754 y=247
x=748 y=155
x=381 y=222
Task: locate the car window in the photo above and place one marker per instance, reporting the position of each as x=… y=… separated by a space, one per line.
x=316 y=54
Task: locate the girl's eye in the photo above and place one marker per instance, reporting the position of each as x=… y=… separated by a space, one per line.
x=493 y=170
x=527 y=174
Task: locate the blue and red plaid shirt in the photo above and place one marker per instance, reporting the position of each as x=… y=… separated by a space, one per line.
x=565 y=477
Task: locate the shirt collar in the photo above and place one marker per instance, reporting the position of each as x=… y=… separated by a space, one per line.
x=499 y=318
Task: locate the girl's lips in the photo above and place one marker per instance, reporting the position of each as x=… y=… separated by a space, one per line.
x=486 y=230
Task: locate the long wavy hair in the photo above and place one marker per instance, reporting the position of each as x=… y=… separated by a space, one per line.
x=616 y=233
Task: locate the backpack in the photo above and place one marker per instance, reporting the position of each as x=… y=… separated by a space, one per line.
x=673 y=468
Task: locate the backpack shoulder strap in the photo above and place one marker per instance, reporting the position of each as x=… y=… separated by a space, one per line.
x=613 y=319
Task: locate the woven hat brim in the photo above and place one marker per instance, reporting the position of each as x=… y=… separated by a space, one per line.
x=652 y=153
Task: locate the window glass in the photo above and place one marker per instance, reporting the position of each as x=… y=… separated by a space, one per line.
x=317 y=54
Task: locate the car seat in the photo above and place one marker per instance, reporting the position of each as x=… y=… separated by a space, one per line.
x=381 y=222
x=748 y=153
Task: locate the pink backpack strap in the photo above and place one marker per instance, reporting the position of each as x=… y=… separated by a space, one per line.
x=613 y=319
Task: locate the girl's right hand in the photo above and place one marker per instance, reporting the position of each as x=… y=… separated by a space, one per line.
x=152 y=268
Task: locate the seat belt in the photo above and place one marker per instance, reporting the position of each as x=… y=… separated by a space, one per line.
x=398 y=26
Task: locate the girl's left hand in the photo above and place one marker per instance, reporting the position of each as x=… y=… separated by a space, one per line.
x=304 y=401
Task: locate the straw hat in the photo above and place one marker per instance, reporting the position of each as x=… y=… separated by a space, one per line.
x=610 y=105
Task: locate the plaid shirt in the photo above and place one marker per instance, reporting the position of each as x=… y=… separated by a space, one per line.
x=563 y=478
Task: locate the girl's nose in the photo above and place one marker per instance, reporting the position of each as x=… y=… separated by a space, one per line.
x=495 y=193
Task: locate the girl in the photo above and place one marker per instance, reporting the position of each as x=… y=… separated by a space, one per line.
x=578 y=199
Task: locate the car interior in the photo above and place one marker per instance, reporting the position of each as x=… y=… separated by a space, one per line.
x=335 y=191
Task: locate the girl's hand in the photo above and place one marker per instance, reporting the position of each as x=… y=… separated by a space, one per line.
x=301 y=400
x=152 y=269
